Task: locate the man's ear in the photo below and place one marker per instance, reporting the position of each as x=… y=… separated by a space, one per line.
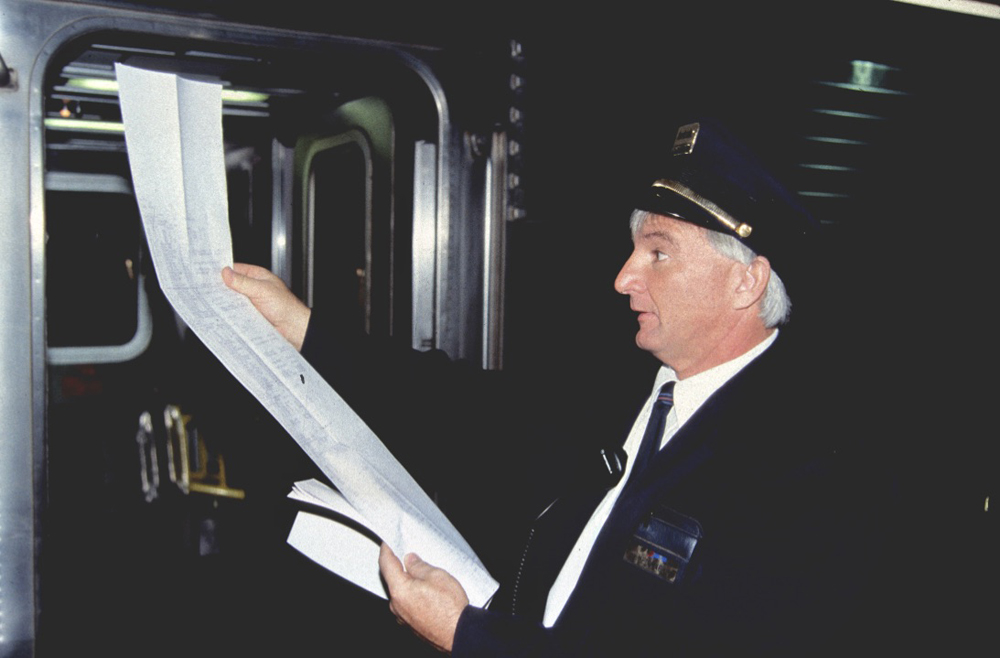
x=751 y=282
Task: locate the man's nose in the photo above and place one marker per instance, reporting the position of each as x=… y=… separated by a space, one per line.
x=627 y=281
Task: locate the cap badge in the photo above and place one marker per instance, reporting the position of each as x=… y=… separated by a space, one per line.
x=686 y=137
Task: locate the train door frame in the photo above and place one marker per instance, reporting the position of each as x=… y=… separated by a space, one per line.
x=33 y=33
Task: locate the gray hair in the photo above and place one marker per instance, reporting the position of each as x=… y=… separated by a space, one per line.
x=775 y=307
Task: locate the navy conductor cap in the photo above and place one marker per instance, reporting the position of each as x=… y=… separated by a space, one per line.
x=712 y=179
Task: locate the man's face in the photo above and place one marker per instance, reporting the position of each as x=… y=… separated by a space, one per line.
x=679 y=284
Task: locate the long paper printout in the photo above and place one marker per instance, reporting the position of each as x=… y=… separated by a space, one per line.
x=173 y=132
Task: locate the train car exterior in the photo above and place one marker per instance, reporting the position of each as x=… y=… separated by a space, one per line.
x=379 y=164
x=366 y=171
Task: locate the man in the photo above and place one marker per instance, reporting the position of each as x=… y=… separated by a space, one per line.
x=731 y=529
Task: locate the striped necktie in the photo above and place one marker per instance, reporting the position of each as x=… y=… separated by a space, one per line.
x=654 y=431
x=557 y=529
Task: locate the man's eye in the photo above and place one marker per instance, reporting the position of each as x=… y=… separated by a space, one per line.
x=660 y=255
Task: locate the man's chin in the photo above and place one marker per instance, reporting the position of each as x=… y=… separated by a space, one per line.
x=644 y=341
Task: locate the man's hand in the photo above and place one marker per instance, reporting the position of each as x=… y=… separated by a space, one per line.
x=272 y=298
x=427 y=599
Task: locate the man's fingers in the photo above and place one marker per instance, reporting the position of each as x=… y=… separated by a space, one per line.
x=411 y=566
x=391 y=568
x=426 y=598
x=416 y=567
x=268 y=293
x=253 y=271
x=237 y=280
x=252 y=281
x=398 y=573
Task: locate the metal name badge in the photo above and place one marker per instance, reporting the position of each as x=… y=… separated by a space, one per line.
x=662 y=566
x=685 y=139
x=663 y=544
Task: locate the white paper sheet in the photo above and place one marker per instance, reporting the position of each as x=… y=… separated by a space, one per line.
x=173 y=131
x=314 y=534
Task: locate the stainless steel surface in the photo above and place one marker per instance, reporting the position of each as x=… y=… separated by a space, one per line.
x=424 y=239
x=357 y=138
x=21 y=391
x=105 y=184
x=282 y=169
x=494 y=254
x=32 y=32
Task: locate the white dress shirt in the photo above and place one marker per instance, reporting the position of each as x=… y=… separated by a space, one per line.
x=689 y=395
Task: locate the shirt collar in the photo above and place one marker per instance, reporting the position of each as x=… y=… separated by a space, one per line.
x=691 y=393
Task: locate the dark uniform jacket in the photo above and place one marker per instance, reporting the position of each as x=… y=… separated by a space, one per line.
x=754 y=532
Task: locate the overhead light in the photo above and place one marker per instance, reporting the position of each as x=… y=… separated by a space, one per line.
x=835 y=140
x=826 y=167
x=973 y=7
x=846 y=114
x=107 y=86
x=237 y=96
x=863 y=88
x=94 y=84
x=869 y=74
x=824 y=195
x=86 y=125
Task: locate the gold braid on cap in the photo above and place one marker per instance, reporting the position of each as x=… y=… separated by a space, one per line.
x=724 y=218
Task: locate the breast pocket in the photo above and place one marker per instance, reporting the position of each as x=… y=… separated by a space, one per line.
x=663 y=544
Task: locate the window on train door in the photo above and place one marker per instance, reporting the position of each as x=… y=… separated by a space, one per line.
x=339 y=229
